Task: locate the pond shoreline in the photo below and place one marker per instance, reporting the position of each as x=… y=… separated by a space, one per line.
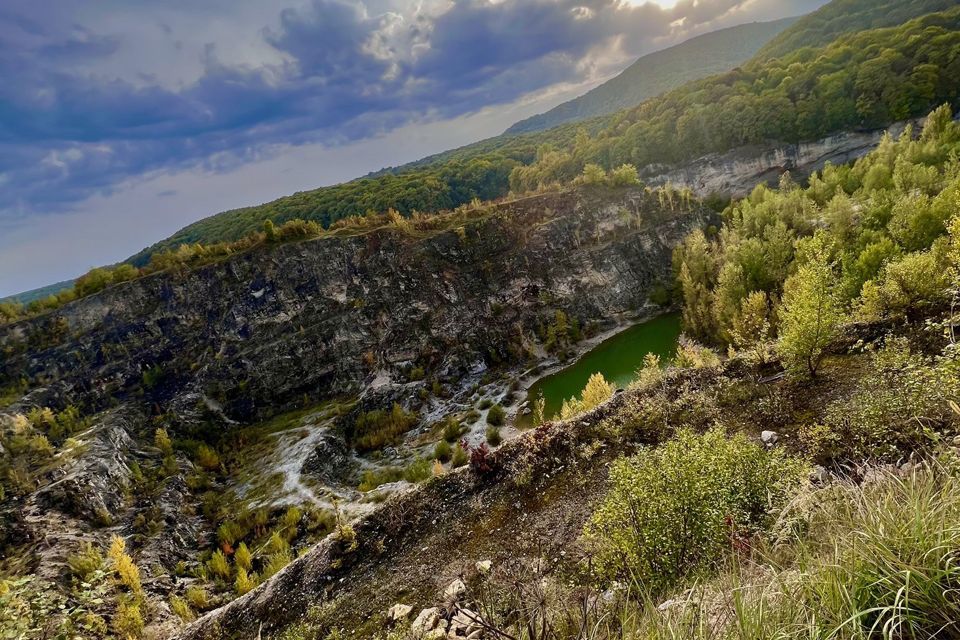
x=553 y=366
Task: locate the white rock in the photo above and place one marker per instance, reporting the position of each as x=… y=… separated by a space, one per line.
x=819 y=475
x=455 y=589
x=426 y=620
x=466 y=621
x=399 y=612
x=769 y=437
x=484 y=566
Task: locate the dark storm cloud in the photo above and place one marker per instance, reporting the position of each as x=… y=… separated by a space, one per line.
x=344 y=70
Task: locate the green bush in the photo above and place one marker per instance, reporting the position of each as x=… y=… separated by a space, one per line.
x=493 y=436
x=442 y=451
x=377 y=429
x=460 y=457
x=85 y=562
x=496 y=416
x=451 y=429
x=900 y=404
x=671 y=511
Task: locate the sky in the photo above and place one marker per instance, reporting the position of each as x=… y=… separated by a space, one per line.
x=121 y=121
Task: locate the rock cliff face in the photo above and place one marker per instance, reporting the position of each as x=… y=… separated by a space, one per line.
x=736 y=173
x=242 y=338
x=280 y=329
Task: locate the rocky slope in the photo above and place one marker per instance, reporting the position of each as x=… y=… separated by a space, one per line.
x=321 y=317
x=735 y=173
x=217 y=350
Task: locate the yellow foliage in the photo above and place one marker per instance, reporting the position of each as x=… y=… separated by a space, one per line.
x=597 y=391
x=245 y=582
x=127 y=571
x=243 y=558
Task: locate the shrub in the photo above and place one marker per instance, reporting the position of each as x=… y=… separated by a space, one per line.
x=418 y=470
x=197 y=597
x=596 y=392
x=442 y=451
x=691 y=355
x=181 y=609
x=208 y=458
x=218 y=565
x=810 y=316
x=480 y=459
x=460 y=456
x=85 y=561
x=228 y=533
x=496 y=416
x=451 y=429
x=624 y=176
x=377 y=429
x=912 y=282
x=161 y=439
x=275 y=563
x=672 y=511
x=127 y=572
x=243 y=558
x=245 y=582
x=277 y=544
x=416 y=374
x=128 y=620
x=290 y=521
x=493 y=436
x=901 y=403
x=593 y=174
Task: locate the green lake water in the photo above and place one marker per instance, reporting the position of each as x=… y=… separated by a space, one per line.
x=617 y=358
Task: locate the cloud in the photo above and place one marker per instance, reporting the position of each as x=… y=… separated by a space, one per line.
x=78 y=116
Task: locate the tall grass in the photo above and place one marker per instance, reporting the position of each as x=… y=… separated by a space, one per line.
x=848 y=562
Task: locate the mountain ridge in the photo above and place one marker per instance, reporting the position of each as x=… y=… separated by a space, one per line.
x=660 y=71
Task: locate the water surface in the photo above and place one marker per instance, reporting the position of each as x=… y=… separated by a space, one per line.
x=617 y=358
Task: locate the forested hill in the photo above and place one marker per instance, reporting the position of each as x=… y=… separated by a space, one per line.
x=847 y=16
x=864 y=80
x=661 y=71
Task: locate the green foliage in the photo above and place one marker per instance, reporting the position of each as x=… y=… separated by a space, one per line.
x=873 y=233
x=243 y=558
x=811 y=315
x=855 y=561
x=161 y=441
x=846 y=16
x=197 y=598
x=900 y=405
x=127 y=572
x=207 y=457
x=128 y=620
x=871 y=79
x=85 y=562
x=442 y=451
x=658 y=72
x=493 y=436
x=496 y=415
x=181 y=609
x=245 y=582
x=670 y=511
x=460 y=457
x=451 y=429
x=377 y=429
